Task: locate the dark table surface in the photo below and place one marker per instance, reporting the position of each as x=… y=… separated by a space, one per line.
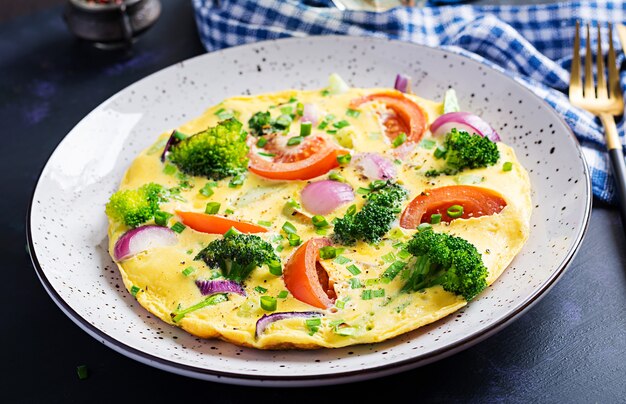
x=569 y=347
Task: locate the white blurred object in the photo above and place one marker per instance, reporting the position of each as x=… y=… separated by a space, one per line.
x=374 y=5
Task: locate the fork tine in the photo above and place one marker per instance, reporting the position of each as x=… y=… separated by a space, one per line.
x=575 y=83
x=616 y=91
x=590 y=91
x=602 y=91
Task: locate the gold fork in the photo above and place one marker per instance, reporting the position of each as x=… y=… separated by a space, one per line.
x=604 y=100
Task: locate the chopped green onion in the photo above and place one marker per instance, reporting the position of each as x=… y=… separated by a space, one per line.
x=389 y=257
x=161 y=218
x=294 y=141
x=294 y=240
x=508 y=166
x=231 y=232
x=424 y=226
x=427 y=144
x=188 y=271
x=266 y=154
x=354 y=113
x=400 y=139
x=328 y=252
x=455 y=211
x=440 y=152
x=363 y=191
x=169 y=169
x=264 y=223
x=209 y=301
x=393 y=270
x=341 y=260
x=283 y=121
x=268 y=303
x=332 y=131
x=319 y=221
x=207 y=190
x=335 y=176
x=341 y=124
x=435 y=218
x=354 y=270
x=134 y=290
x=261 y=142
x=82 y=372
x=450 y=102
x=322 y=124
x=344 y=158
x=291 y=99
x=236 y=181
x=288 y=110
x=313 y=324
x=229 y=211
x=260 y=289
x=469 y=179
x=212 y=208
x=305 y=128
x=345 y=331
x=340 y=304
x=283 y=294
x=355 y=283
x=224 y=113
x=289 y=228
x=366 y=294
x=321 y=231
x=300 y=108
x=378 y=293
x=351 y=210
x=404 y=254
x=178 y=227
x=275 y=268
x=325 y=93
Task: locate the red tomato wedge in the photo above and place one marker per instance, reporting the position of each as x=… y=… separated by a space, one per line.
x=404 y=115
x=214 y=224
x=305 y=277
x=314 y=156
x=476 y=202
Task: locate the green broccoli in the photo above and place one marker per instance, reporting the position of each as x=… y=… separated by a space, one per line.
x=449 y=261
x=238 y=254
x=375 y=218
x=135 y=206
x=218 y=152
x=462 y=150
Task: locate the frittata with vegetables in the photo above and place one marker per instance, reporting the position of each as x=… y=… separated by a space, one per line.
x=319 y=218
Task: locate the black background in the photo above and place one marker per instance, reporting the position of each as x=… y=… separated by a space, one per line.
x=569 y=347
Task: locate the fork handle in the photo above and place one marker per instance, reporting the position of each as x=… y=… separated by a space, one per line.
x=616 y=155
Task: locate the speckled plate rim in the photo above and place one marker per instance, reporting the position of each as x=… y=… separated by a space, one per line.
x=340 y=377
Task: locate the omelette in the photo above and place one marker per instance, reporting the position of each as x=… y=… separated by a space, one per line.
x=320 y=218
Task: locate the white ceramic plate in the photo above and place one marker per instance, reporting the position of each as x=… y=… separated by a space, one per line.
x=67 y=226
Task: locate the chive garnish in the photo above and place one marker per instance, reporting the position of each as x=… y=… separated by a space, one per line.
x=440 y=152
x=188 y=271
x=508 y=166
x=134 y=290
x=435 y=218
x=341 y=124
x=427 y=144
x=283 y=294
x=354 y=113
x=261 y=142
x=355 y=283
x=169 y=169
x=212 y=208
x=161 y=218
x=335 y=176
x=328 y=252
x=305 y=128
x=268 y=303
x=275 y=268
x=393 y=270
x=260 y=289
x=178 y=227
x=319 y=221
x=82 y=372
x=455 y=211
x=354 y=270
x=344 y=158
x=207 y=190
x=209 y=301
x=400 y=139
x=341 y=260
x=294 y=141
x=264 y=223
x=294 y=239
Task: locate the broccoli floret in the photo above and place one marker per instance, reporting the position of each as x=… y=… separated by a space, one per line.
x=375 y=218
x=462 y=151
x=135 y=206
x=238 y=254
x=216 y=153
x=449 y=261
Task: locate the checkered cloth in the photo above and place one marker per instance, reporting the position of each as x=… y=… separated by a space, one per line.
x=531 y=43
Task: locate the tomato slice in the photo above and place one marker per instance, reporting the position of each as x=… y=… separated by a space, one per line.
x=214 y=224
x=314 y=156
x=476 y=202
x=404 y=115
x=305 y=277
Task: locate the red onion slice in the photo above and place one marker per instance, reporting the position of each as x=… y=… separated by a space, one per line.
x=175 y=138
x=310 y=114
x=323 y=197
x=209 y=287
x=141 y=239
x=268 y=319
x=464 y=121
x=375 y=167
x=403 y=83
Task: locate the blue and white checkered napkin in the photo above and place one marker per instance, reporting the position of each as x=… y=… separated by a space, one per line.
x=531 y=43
